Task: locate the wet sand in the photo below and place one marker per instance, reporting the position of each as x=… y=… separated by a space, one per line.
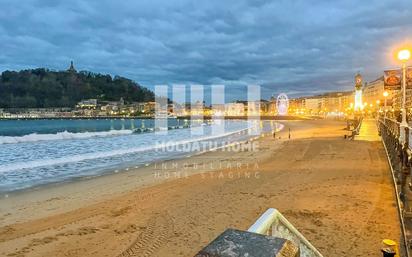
x=337 y=192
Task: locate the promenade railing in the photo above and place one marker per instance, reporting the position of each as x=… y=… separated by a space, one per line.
x=400 y=158
x=273 y=223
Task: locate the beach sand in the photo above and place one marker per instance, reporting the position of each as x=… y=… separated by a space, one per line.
x=337 y=192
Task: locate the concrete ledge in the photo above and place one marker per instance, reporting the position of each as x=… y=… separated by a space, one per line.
x=236 y=243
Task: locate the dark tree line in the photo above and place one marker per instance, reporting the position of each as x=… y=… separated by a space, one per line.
x=41 y=88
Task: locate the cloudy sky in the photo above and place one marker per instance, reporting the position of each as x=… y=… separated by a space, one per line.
x=297 y=47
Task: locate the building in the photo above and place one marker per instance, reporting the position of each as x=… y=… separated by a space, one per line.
x=296 y=104
x=144 y=107
x=395 y=97
x=265 y=107
x=234 y=109
x=313 y=105
x=373 y=94
x=197 y=108
x=87 y=104
x=319 y=104
x=338 y=101
x=37 y=112
x=218 y=109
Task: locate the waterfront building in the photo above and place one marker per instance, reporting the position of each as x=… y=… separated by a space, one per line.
x=337 y=101
x=297 y=106
x=265 y=107
x=218 y=109
x=373 y=93
x=333 y=102
x=314 y=105
x=234 y=109
x=396 y=99
x=144 y=107
x=178 y=109
x=272 y=105
x=87 y=104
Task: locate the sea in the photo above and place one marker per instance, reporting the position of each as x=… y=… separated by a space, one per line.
x=39 y=152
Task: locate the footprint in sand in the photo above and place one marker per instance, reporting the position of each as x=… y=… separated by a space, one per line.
x=129 y=228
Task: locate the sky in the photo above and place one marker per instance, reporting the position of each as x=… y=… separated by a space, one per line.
x=295 y=47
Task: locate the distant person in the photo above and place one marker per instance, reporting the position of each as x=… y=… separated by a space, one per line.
x=274 y=134
x=289 y=133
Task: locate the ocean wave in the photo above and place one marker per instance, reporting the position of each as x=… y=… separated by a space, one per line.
x=99 y=155
x=61 y=136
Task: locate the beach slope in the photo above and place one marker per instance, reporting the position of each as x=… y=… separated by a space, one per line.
x=337 y=192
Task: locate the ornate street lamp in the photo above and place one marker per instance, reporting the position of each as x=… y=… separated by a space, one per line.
x=403 y=55
x=385 y=95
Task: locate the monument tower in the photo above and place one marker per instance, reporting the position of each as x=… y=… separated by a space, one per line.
x=358 y=93
x=71 y=68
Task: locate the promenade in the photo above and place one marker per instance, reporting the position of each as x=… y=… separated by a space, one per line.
x=337 y=192
x=368 y=131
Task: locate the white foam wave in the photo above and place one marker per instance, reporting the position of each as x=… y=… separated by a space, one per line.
x=98 y=155
x=279 y=127
x=61 y=136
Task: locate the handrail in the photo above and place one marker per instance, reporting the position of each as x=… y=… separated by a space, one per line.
x=398 y=203
x=356 y=130
x=281 y=227
x=393 y=127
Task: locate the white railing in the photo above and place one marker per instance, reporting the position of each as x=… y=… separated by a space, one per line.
x=273 y=223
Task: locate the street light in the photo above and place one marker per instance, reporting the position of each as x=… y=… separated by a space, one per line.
x=403 y=55
x=385 y=95
x=378 y=105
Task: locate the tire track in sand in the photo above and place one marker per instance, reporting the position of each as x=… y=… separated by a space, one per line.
x=158 y=229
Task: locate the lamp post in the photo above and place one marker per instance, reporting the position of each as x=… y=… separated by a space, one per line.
x=378 y=107
x=385 y=95
x=403 y=56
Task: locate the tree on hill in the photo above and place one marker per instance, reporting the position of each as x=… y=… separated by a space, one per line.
x=41 y=88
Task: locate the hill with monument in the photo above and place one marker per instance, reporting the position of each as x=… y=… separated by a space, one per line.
x=42 y=88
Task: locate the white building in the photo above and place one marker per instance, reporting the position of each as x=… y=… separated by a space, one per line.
x=234 y=109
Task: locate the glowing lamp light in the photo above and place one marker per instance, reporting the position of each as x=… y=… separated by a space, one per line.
x=385 y=94
x=404 y=55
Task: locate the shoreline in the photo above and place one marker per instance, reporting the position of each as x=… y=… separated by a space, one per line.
x=113 y=170
x=144 y=174
x=263 y=117
x=307 y=178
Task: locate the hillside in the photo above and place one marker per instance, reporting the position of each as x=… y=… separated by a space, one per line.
x=40 y=88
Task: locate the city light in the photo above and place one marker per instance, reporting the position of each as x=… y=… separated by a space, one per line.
x=385 y=94
x=404 y=55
